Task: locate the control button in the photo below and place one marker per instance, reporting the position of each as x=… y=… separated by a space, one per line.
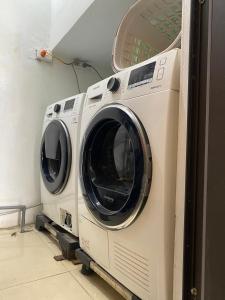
x=162 y=61
x=160 y=74
x=57 y=108
x=113 y=84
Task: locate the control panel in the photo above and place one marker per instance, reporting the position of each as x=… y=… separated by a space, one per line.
x=68 y=109
x=69 y=106
x=154 y=75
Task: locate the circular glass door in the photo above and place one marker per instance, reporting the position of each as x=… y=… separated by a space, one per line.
x=55 y=156
x=116 y=167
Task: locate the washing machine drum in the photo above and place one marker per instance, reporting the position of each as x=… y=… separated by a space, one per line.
x=55 y=156
x=115 y=167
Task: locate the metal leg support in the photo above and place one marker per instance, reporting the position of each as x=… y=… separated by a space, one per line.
x=22 y=209
x=89 y=266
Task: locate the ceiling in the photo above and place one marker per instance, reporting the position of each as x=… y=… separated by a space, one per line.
x=91 y=37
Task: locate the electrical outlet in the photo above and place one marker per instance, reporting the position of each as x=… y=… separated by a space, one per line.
x=43 y=55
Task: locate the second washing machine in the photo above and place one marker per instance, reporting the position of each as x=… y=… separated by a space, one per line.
x=59 y=162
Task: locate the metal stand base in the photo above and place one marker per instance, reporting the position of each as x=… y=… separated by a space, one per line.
x=89 y=266
x=67 y=242
x=22 y=209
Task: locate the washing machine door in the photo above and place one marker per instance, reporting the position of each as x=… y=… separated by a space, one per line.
x=55 y=156
x=115 y=167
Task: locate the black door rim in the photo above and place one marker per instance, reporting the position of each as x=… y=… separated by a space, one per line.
x=142 y=181
x=60 y=182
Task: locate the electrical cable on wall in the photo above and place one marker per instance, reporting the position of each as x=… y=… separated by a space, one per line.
x=96 y=71
x=79 y=63
x=72 y=64
x=43 y=53
x=84 y=65
x=76 y=75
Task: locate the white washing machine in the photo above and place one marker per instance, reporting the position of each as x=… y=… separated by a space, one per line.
x=128 y=175
x=59 y=162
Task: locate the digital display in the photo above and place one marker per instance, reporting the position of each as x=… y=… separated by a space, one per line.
x=142 y=75
x=69 y=104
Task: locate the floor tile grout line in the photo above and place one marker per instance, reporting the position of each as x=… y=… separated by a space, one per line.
x=31 y=281
x=48 y=245
x=83 y=287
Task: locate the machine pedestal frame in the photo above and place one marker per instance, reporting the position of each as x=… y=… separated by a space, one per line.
x=67 y=242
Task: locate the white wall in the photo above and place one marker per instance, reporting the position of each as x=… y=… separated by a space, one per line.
x=26 y=87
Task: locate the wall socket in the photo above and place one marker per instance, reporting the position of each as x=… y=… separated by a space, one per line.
x=43 y=55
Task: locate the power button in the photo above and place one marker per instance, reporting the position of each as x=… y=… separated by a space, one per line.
x=160 y=74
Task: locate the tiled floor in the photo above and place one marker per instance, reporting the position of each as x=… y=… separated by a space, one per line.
x=29 y=272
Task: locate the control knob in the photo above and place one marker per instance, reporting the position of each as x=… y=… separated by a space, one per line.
x=113 y=84
x=57 y=108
